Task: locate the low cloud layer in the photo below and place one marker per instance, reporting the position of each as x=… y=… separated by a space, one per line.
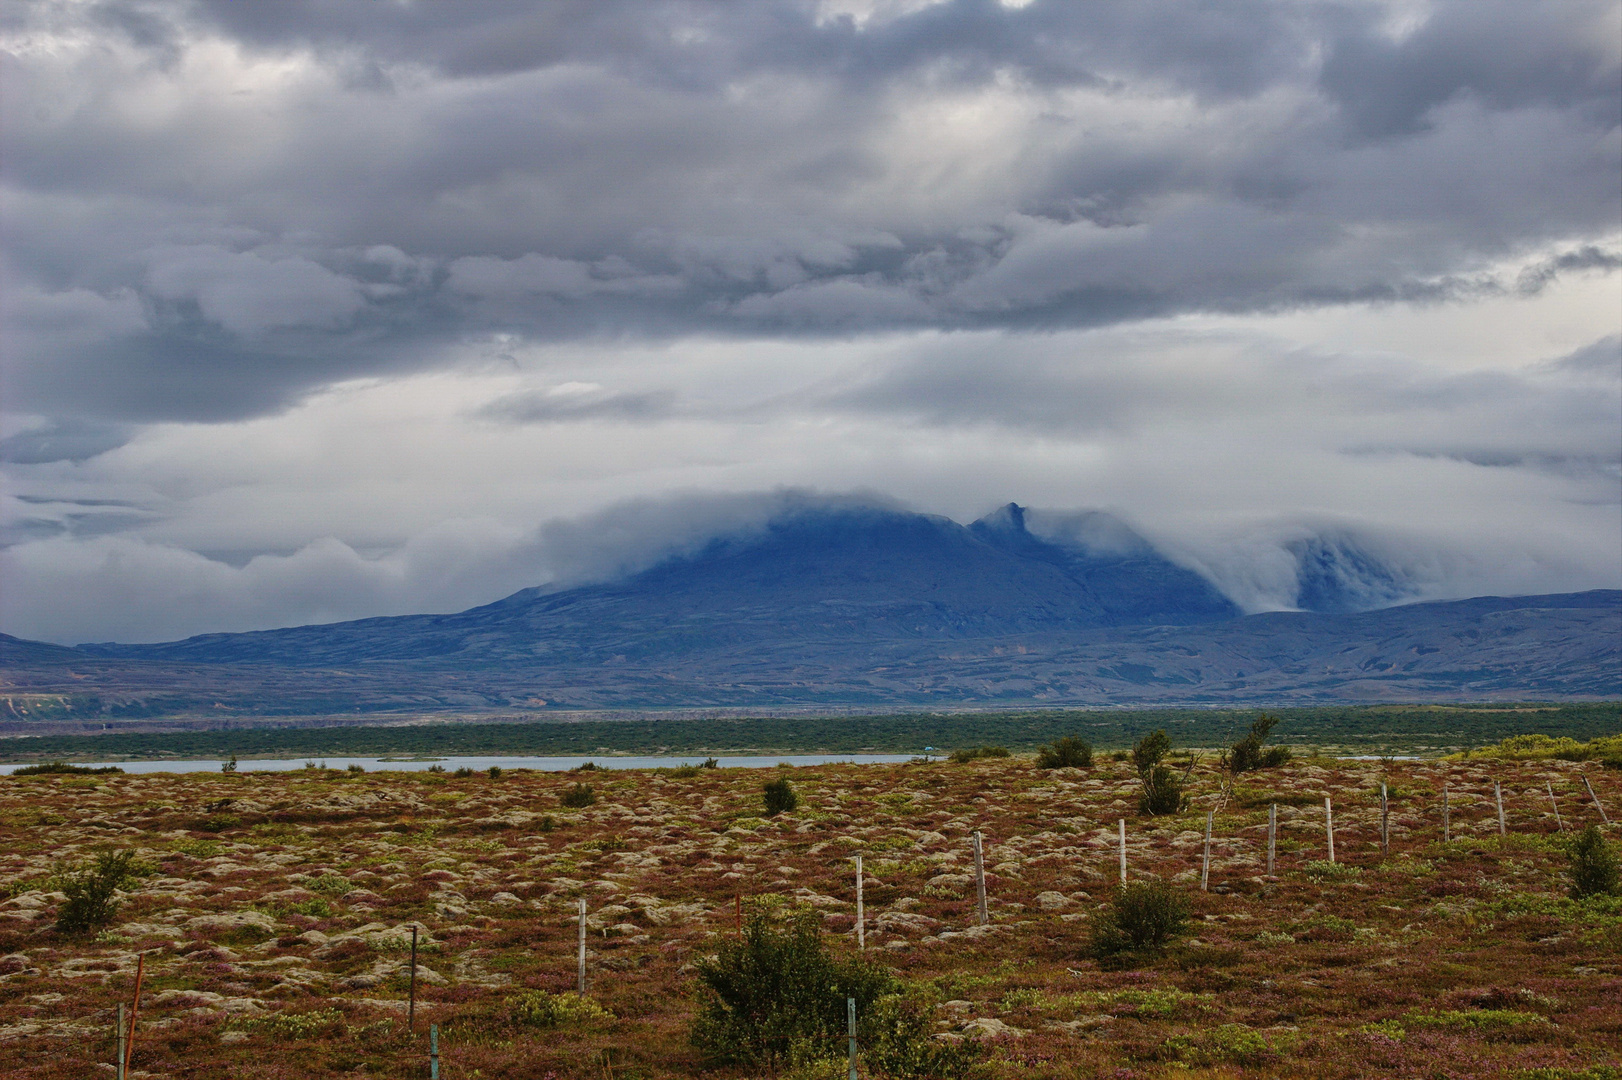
x=319 y=309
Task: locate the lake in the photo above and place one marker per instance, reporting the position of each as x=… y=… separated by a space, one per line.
x=450 y=764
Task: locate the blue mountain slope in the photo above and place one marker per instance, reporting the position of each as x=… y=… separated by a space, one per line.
x=818 y=575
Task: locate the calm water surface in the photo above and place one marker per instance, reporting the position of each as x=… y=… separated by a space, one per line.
x=449 y=764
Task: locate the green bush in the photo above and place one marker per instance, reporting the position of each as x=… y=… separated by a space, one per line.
x=1162 y=789
x=53 y=767
x=495 y=772
x=900 y=1045
x=578 y=797
x=779 y=796
x=1144 y=917
x=91 y=903
x=1594 y=867
x=537 y=1008
x=1249 y=753
x=975 y=753
x=774 y=997
x=1065 y=753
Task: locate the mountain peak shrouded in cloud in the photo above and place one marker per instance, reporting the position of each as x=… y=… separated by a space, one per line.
x=313 y=310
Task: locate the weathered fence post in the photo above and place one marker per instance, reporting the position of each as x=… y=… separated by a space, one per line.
x=411 y=1008
x=980 y=877
x=850 y=1024
x=1498 y=796
x=1385 y=823
x=1123 y=850
x=433 y=1052
x=1329 y=826
x=1447 y=819
x=135 y=1011
x=1560 y=826
x=582 y=951
x=1272 y=836
x=861 y=921
x=1205 y=859
x=737 y=912
x=119 y=1038
x=1597 y=804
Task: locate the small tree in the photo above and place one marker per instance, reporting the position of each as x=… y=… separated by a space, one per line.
x=1162 y=790
x=1066 y=753
x=1249 y=753
x=91 y=892
x=779 y=796
x=774 y=996
x=1594 y=866
x=1143 y=918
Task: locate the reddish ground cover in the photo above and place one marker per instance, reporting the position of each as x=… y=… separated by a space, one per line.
x=274 y=918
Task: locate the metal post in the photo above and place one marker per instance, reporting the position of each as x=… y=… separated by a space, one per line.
x=582 y=955
x=1597 y=804
x=135 y=1011
x=1447 y=819
x=1205 y=861
x=1122 y=824
x=1329 y=826
x=1560 y=826
x=433 y=1052
x=1385 y=823
x=1498 y=795
x=861 y=921
x=980 y=877
x=850 y=1023
x=411 y=1009
x=1272 y=836
x=119 y=1035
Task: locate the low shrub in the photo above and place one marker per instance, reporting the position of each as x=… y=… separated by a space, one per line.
x=462 y=772
x=900 y=1044
x=494 y=772
x=52 y=768
x=91 y=891
x=1594 y=867
x=356 y=767
x=976 y=753
x=1144 y=917
x=1162 y=789
x=774 y=997
x=1065 y=753
x=779 y=796
x=537 y=1008
x=293 y=1025
x=578 y=797
x=1250 y=753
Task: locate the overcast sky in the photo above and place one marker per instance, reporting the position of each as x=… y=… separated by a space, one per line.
x=318 y=309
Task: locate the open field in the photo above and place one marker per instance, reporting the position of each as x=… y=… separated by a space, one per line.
x=273 y=911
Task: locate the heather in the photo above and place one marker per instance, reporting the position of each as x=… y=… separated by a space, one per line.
x=273 y=911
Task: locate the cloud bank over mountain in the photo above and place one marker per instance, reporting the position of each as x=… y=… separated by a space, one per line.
x=318 y=310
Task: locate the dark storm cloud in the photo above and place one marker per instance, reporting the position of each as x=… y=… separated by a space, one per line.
x=214 y=208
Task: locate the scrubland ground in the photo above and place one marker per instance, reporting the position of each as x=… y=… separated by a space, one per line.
x=275 y=909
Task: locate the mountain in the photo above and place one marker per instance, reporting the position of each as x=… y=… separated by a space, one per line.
x=864 y=606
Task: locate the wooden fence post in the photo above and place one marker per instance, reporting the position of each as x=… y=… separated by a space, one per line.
x=433 y=1049
x=582 y=950
x=850 y=1025
x=1329 y=826
x=119 y=1038
x=861 y=921
x=980 y=877
x=135 y=1011
x=1205 y=860
x=411 y=1008
x=1447 y=819
x=1385 y=823
x=1597 y=804
x=1123 y=850
x=1498 y=795
x=1560 y=826
x=1272 y=836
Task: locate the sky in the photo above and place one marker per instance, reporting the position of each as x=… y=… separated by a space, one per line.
x=317 y=309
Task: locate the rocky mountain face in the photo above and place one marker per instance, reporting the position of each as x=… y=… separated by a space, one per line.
x=871 y=606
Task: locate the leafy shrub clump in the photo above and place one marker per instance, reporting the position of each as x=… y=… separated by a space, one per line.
x=494 y=772
x=1065 y=753
x=1594 y=866
x=1144 y=917
x=91 y=901
x=779 y=796
x=462 y=772
x=578 y=797
x=900 y=1044
x=1162 y=789
x=774 y=997
x=537 y=1008
x=975 y=753
x=287 y=1025
x=1250 y=753
x=51 y=768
